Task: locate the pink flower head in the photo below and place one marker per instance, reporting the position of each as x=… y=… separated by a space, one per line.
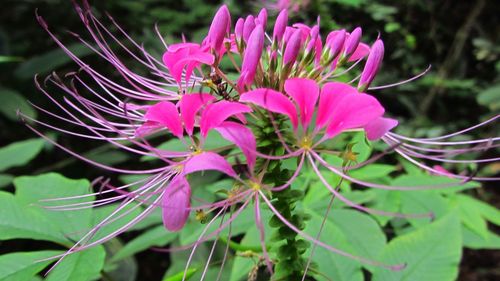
x=372 y=65
x=251 y=57
x=220 y=26
x=280 y=25
x=340 y=107
x=185 y=56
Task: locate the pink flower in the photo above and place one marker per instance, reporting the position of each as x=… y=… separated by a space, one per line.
x=186 y=56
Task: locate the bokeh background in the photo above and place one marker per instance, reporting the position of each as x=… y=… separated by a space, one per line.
x=458 y=38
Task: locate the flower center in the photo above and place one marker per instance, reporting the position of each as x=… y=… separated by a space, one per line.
x=306 y=143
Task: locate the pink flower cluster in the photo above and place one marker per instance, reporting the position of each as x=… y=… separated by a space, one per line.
x=291 y=74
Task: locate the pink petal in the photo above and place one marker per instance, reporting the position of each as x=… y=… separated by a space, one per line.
x=273 y=101
x=361 y=51
x=216 y=113
x=190 y=105
x=147 y=128
x=176 y=204
x=166 y=114
x=379 y=127
x=242 y=137
x=208 y=161
x=305 y=93
x=344 y=108
x=331 y=94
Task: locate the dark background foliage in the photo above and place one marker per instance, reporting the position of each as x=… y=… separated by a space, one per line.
x=458 y=38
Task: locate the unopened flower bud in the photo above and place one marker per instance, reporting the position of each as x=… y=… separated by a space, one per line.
x=352 y=42
x=372 y=65
x=262 y=18
x=292 y=47
x=335 y=42
x=248 y=27
x=280 y=25
x=238 y=29
x=219 y=27
x=252 y=56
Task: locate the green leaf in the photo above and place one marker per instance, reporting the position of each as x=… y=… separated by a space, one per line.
x=242 y=265
x=490 y=97
x=386 y=200
x=157 y=236
x=23 y=266
x=81 y=266
x=373 y=171
x=442 y=184
x=474 y=241
x=21 y=221
x=5 y=180
x=430 y=253
x=49 y=61
x=19 y=153
x=355 y=233
x=30 y=190
x=12 y=101
x=120 y=218
x=488 y=212
x=470 y=215
x=361 y=146
x=423 y=202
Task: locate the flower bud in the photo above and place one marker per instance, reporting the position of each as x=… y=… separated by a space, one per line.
x=252 y=56
x=238 y=29
x=335 y=42
x=262 y=18
x=292 y=48
x=372 y=65
x=352 y=42
x=248 y=27
x=220 y=26
x=313 y=37
x=280 y=25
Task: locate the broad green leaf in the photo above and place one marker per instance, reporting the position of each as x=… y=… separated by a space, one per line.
x=373 y=171
x=24 y=265
x=430 y=253
x=488 y=212
x=355 y=233
x=362 y=147
x=474 y=241
x=423 y=202
x=442 y=184
x=470 y=215
x=19 y=153
x=12 y=101
x=81 y=266
x=49 y=61
x=21 y=221
x=5 y=180
x=116 y=220
x=30 y=190
x=158 y=236
x=386 y=200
